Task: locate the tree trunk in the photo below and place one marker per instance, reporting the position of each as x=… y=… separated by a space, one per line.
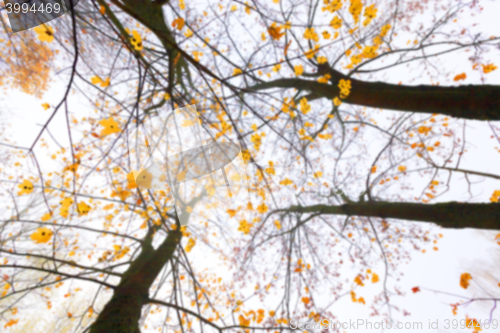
x=479 y=102
x=447 y=215
x=122 y=313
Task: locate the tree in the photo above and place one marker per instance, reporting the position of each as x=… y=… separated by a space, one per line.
x=283 y=79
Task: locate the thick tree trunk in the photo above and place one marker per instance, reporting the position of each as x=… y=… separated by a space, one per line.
x=447 y=215
x=479 y=102
x=122 y=313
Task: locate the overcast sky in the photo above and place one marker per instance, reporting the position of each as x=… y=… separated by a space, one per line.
x=459 y=251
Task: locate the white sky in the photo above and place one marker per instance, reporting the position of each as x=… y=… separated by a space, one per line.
x=459 y=251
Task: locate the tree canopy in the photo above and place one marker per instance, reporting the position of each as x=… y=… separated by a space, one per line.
x=351 y=117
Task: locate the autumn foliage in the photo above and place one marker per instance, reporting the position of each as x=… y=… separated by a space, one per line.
x=346 y=168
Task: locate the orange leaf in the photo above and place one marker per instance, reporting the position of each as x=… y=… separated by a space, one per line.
x=178 y=23
x=287 y=46
x=415 y=289
x=11 y=323
x=464 y=280
x=460 y=77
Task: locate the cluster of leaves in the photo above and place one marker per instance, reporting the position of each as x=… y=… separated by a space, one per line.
x=294 y=115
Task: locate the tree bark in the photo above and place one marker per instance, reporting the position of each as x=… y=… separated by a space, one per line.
x=479 y=102
x=122 y=313
x=448 y=215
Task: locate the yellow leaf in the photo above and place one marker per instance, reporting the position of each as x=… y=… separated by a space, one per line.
x=325 y=136
x=105 y=83
x=336 y=23
x=131 y=180
x=262 y=208
x=66 y=202
x=191 y=243
x=385 y=29
x=41 y=235
x=45 y=33
x=136 y=41
x=324 y=79
x=83 y=208
x=369 y=14
x=64 y=211
x=304 y=106
x=277 y=224
x=377 y=40
x=197 y=55
x=299 y=70
x=231 y=212
x=402 y=168
x=46 y=106
x=73 y=167
x=375 y=278
x=46 y=217
x=318 y=174
x=345 y=88
x=495 y=197
x=270 y=170
x=26 y=187
x=311 y=34
x=97 y=80
x=110 y=126
x=322 y=60
x=370 y=52
x=374 y=169
x=121 y=193
x=286 y=182
x=312 y=52
x=236 y=71
x=247 y=8
x=108 y=207
x=355 y=10
x=337 y=101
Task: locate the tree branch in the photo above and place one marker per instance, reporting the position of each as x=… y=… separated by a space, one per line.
x=448 y=215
